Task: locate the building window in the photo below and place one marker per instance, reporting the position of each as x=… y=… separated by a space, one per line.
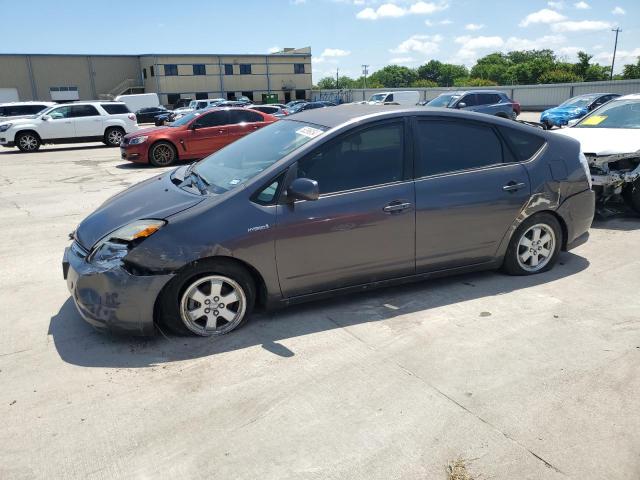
x=249 y=95
x=199 y=69
x=298 y=68
x=151 y=69
x=202 y=95
x=301 y=94
x=228 y=69
x=231 y=96
x=172 y=98
x=144 y=73
x=245 y=69
x=171 y=70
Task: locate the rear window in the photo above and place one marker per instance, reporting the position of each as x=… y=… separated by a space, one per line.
x=115 y=108
x=241 y=116
x=524 y=145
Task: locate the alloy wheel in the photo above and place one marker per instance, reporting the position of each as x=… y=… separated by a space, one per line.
x=213 y=305
x=28 y=142
x=114 y=137
x=163 y=154
x=536 y=247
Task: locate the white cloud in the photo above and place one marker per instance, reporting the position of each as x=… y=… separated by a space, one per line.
x=335 y=52
x=559 y=5
x=428 y=23
x=423 y=44
x=623 y=57
x=391 y=10
x=582 y=5
x=297 y=2
x=274 y=49
x=481 y=42
x=473 y=26
x=619 y=11
x=542 y=16
x=581 y=26
x=547 y=41
x=571 y=53
x=402 y=60
x=446 y=22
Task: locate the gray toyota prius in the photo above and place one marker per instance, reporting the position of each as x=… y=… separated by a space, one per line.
x=324 y=202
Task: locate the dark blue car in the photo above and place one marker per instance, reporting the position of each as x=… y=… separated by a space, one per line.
x=574 y=108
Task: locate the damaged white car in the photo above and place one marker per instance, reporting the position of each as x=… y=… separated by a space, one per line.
x=610 y=140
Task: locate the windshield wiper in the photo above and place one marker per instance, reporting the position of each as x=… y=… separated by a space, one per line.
x=200 y=181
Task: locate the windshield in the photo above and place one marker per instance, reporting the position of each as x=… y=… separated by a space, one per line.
x=378 y=97
x=184 y=120
x=615 y=114
x=245 y=158
x=443 y=100
x=192 y=104
x=579 y=102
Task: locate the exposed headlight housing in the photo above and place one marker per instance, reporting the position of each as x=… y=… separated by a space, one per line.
x=5 y=126
x=117 y=244
x=138 y=140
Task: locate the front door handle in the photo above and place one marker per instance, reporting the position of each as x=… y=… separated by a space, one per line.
x=513 y=186
x=396 y=207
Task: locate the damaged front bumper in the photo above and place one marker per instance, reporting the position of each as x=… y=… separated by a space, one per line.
x=610 y=173
x=108 y=296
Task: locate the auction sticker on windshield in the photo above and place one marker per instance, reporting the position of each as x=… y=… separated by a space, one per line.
x=595 y=120
x=309 y=132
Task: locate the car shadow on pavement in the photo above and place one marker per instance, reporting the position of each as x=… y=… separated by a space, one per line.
x=79 y=344
x=15 y=151
x=617 y=217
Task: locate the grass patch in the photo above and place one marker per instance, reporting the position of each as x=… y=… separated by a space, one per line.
x=457 y=470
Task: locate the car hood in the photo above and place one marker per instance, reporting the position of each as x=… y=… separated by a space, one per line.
x=156 y=197
x=604 y=141
x=145 y=131
x=19 y=120
x=566 y=112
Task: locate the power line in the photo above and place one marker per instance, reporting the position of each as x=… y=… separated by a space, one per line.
x=615 y=47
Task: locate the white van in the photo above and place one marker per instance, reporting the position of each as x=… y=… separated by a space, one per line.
x=399 y=98
x=140 y=100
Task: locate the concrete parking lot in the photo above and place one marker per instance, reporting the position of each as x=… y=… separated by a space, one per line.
x=524 y=378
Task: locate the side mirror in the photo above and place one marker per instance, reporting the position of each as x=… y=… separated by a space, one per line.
x=461 y=105
x=46 y=118
x=303 y=189
x=193 y=126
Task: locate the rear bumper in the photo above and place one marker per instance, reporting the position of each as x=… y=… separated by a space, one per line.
x=110 y=298
x=577 y=212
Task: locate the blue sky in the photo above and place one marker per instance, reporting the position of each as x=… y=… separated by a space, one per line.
x=342 y=33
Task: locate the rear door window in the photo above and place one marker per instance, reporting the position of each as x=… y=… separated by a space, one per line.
x=84 y=111
x=449 y=146
x=213 y=119
x=115 y=108
x=244 y=116
x=488 y=98
x=469 y=100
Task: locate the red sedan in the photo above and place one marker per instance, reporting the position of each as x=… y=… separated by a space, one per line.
x=193 y=136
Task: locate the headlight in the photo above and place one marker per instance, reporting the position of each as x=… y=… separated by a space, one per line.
x=117 y=244
x=138 y=140
x=5 y=126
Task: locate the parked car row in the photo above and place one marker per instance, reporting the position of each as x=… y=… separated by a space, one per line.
x=491 y=102
x=307 y=207
x=574 y=109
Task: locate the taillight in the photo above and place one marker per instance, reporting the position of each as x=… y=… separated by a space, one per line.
x=131 y=116
x=285 y=111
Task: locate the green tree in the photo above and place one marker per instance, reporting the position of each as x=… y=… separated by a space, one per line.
x=494 y=67
x=327 y=83
x=559 y=76
x=631 y=71
x=588 y=71
x=394 y=76
x=423 y=83
x=473 y=82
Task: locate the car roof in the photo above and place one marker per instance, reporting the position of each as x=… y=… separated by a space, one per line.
x=29 y=102
x=631 y=96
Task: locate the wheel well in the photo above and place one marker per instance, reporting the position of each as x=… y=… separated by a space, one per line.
x=113 y=126
x=501 y=115
x=563 y=226
x=28 y=131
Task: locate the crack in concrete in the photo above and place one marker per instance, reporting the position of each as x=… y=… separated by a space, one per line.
x=455 y=402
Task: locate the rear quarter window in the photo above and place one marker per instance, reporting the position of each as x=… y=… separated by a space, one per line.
x=524 y=145
x=115 y=108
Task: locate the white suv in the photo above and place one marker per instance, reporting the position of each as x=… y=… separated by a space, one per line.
x=9 y=111
x=75 y=122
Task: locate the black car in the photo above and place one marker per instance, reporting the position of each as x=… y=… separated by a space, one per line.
x=301 y=107
x=148 y=115
x=331 y=200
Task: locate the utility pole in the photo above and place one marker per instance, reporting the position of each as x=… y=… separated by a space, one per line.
x=615 y=47
x=337 y=79
x=365 y=71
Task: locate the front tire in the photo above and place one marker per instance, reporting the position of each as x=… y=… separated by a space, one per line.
x=27 y=142
x=113 y=136
x=162 y=154
x=534 y=247
x=209 y=299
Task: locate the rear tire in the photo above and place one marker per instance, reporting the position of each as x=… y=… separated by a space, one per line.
x=27 y=142
x=193 y=302
x=631 y=196
x=162 y=154
x=113 y=136
x=534 y=246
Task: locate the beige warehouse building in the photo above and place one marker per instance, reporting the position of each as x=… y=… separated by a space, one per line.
x=84 y=77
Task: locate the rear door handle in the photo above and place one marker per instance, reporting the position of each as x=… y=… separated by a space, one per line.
x=395 y=207
x=513 y=186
